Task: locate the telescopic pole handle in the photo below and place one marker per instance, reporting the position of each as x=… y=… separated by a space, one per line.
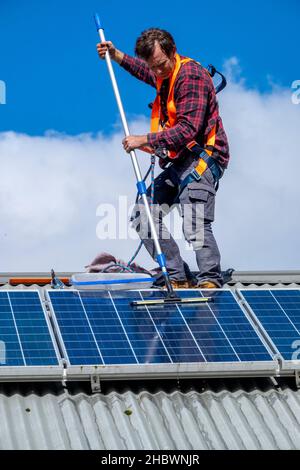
x=116 y=92
x=97 y=21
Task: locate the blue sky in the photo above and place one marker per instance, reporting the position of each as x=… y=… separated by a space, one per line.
x=55 y=80
x=54 y=187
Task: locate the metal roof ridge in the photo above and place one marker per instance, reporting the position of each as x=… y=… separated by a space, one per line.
x=244 y=277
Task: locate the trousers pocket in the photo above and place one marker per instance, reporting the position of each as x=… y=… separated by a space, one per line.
x=200 y=185
x=204 y=194
x=198 y=194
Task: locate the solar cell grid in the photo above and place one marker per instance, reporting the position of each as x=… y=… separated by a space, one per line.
x=119 y=334
x=141 y=331
x=222 y=330
x=278 y=311
x=24 y=330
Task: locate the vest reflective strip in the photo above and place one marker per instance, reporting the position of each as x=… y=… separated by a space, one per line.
x=171 y=108
x=211 y=140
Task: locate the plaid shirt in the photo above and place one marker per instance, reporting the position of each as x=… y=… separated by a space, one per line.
x=197 y=108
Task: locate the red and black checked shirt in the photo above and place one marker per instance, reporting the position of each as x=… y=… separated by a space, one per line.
x=197 y=108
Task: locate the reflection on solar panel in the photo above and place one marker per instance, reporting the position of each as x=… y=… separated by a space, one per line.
x=278 y=311
x=24 y=334
x=102 y=328
x=222 y=330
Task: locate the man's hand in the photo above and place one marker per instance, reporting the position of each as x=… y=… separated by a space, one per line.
x=115 y=54
x=134 y=142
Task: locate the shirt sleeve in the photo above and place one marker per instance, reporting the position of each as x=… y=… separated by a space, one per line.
x=139 y=69
x=191 y=96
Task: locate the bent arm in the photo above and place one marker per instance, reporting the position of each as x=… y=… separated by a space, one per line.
x=136 y=67
x=139 y=69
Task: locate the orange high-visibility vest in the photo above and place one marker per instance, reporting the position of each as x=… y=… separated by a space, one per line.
x=171 y=108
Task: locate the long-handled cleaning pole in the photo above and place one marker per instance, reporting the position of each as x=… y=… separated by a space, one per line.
x=141 y=186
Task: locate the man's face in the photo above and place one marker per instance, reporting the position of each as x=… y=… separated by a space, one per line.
x=160 y=63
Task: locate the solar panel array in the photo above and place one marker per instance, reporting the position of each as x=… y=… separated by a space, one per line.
x=103 y=328
x=24 y=333
x=278 y=311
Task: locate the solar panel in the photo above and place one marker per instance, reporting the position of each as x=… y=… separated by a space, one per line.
x=100 y=328
x=25 y=337
x=278 y=313
x=222 y=330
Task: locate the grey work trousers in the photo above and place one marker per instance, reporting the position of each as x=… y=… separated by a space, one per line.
x=196 y=204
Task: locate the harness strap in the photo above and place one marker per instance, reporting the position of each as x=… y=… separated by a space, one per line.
x=204 y=162
x=213 y=71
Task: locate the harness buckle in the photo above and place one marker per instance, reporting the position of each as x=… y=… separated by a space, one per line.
x=195 y=175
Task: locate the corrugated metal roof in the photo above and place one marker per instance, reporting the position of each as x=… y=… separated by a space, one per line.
x=160 y=421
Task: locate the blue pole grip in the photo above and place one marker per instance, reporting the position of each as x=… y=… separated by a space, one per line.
x=141 y=187
x=97 y=21
x=161 y=259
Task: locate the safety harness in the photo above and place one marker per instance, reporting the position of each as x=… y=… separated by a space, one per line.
x=157 y=124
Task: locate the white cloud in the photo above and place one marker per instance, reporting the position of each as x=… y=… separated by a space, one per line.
x=258 y=221
x=51 y=186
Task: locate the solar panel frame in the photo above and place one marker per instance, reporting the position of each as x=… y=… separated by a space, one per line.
x=287 y=367
x=32 y=372
x=165 y=370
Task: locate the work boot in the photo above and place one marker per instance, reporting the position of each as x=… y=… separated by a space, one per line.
x=179 y=284
x=207 y=285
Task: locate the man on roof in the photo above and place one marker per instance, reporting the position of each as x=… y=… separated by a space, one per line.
x=187 y=135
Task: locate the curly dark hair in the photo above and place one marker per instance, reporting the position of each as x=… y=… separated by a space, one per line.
x=146 y=41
